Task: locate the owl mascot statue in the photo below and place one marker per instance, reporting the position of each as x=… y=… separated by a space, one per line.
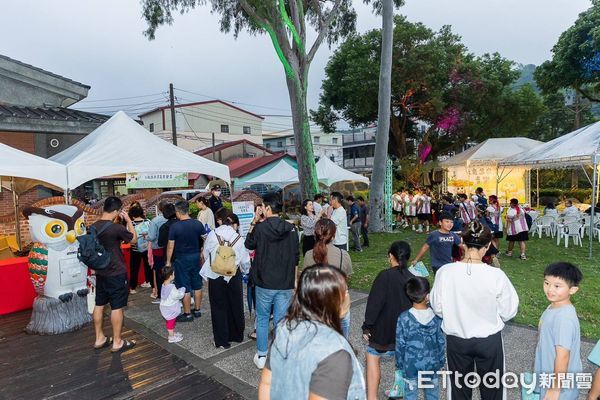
x=58 y=277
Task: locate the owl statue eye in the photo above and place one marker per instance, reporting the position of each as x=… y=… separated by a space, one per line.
x=55 y=228
x=80 y=227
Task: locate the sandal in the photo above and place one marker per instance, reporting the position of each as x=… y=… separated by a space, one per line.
x=104 y=345
x=127 y=345
x=252 y=335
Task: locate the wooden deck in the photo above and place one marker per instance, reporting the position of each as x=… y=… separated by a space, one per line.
x=65 y=366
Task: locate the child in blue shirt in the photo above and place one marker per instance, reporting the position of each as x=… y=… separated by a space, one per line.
x=558 y=347
x=420 y=343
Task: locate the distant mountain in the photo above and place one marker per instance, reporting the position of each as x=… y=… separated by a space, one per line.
x=526 y=77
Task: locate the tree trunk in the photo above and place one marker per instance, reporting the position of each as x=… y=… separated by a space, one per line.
x=307 y=172
x=377 y=201
x=399 y=135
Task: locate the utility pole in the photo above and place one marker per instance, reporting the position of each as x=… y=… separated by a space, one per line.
x=213 y=146
x=173 y=123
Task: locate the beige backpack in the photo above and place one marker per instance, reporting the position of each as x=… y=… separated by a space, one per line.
x=224 y=262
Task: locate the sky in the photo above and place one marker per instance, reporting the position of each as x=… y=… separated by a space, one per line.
x=100 y=43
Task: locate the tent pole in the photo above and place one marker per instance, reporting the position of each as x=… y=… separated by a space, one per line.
x=537 y=187
x=497 y=180
x=16 y=205
x=529 y=187
x=594 y=192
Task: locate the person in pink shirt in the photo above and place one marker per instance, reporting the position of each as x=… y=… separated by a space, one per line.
x=516 y=228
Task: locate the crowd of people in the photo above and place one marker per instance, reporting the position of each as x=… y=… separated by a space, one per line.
x=456 y=321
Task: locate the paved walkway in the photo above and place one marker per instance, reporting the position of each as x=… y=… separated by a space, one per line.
x=234 y=367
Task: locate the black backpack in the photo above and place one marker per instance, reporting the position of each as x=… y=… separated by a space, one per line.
x=91 y=252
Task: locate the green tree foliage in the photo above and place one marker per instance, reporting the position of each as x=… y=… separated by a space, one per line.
x=575 y=58
x=558 y=118
x=287 y=23
x=434 y=80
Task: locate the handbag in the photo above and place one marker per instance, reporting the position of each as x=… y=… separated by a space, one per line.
x=397 y=389
x=91 y=296
x=528 y=378
x=594 y=356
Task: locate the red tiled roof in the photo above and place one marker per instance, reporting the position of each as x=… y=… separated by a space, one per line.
x=209 y=150
x=242 y=166
x=201 y=103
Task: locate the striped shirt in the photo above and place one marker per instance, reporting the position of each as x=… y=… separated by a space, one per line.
x=467 y=211
x=496 y=216
x=410 y=205
x=424 y=204
x=516 y=224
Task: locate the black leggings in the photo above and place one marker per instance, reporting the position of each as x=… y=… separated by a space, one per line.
x=485 y=353
x=227 y=309
x=134 y=265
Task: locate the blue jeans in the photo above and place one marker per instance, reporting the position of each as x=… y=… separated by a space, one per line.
x=411 y=390
x=265 y=298
x=345 y=322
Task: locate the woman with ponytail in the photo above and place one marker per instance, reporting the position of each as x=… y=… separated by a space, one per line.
x=325 y=252
x=387 y=300
x=474 y=301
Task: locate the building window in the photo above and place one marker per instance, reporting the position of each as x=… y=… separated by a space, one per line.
x=224 y=128
x=268 y=145
x=280 y=144
x=151 y=127
x=247 y=130
x=334 y=140
x=317 y=139
x=292 y=141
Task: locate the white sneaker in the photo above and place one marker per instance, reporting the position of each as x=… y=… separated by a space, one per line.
x=145 y=285
x=177 y=337
x=260 y=361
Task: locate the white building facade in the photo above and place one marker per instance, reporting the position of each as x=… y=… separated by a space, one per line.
x=324 y=144
x=204 y=124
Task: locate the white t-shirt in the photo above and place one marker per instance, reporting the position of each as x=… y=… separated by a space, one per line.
x=338 y=216
x=474 y=300
x=317 y=208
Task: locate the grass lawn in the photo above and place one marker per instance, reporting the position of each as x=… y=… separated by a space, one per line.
x=526 y=276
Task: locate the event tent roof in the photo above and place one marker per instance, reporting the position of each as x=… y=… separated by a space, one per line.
x=121 y=145
x=30 y=169
x=573 y=149
x=492 y=151
x=329 y=173
x=282 y=174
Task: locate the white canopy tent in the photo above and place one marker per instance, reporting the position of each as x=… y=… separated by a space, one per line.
x=478 y=167
x=282 y=175
x=579 y=148
x=21 y=171
x=329 y=173
x=121 y=145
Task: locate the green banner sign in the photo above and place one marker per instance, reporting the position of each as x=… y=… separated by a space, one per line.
x=152 y=180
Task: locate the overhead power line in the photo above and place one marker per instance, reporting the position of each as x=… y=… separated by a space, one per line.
x=124 y=98
x=232 y=101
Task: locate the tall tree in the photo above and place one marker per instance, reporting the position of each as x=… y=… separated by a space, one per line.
x=435 y=80
x=575 y=58
x=376 y=199
x=286 y=22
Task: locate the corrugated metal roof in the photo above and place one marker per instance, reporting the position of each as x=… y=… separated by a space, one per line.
x=50 y=113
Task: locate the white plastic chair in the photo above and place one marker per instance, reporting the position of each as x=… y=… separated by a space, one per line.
x=586 y=224
x=561 y=223
x=545 y=224
x=573 y=230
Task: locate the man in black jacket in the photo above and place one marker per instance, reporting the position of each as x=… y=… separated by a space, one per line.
x=274 y=269
x=214 y=202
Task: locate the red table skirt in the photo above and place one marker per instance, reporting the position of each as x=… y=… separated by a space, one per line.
x=16 y=289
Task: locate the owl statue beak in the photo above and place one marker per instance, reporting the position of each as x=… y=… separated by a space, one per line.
x=71 y=237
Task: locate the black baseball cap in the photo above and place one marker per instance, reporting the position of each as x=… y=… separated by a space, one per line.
x=216 y=187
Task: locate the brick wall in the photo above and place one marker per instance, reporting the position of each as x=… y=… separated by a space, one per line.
x=19 y=140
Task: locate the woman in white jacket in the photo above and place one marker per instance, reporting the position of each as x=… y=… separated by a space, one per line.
x=225 y=292
x=474 y=301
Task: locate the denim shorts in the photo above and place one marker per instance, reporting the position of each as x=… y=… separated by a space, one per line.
x=187 y=272
x=377 y=353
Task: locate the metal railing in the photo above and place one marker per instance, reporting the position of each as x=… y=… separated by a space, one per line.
x=359 y=162
x=359 y=137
